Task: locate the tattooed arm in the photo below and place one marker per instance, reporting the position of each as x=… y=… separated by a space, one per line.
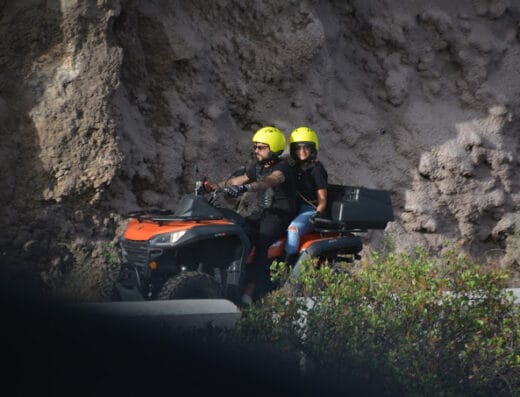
x=276 y=178
x=237 y=180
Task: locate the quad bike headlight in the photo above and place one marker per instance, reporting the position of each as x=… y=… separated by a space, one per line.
x=166 y=239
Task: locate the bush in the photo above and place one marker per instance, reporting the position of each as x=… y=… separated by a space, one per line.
x=405 y=324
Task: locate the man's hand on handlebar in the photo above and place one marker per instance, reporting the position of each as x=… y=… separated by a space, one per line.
x=202 y=186
x=236 y=190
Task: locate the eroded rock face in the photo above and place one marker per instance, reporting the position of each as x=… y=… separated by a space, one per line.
x=108 y=106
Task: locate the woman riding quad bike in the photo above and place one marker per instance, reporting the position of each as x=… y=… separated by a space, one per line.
x=201 y=250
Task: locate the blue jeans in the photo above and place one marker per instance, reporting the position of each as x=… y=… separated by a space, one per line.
x=298 y=227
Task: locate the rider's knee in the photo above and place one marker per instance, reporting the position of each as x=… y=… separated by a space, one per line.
x=292 y=229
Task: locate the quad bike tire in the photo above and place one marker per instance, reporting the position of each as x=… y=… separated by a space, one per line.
x=190 y=285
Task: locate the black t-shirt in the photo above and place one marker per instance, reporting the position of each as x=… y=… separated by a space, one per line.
x=281 y=197
x=309 y=179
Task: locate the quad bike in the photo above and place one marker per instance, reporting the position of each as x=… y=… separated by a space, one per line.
x=201 y=250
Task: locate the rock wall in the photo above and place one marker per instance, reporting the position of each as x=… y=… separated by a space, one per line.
x=110 y=105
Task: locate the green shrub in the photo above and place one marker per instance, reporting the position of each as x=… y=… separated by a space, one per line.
x=110 y=256
x=414 y=324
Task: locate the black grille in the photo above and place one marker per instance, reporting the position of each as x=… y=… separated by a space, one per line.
x=136 y=252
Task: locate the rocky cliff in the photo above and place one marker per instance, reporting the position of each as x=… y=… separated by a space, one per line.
x=110 y=105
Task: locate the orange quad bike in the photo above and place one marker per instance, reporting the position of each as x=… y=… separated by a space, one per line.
x=200 y=250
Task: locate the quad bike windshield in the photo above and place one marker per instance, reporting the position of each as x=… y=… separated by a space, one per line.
x=195 y=207
x=190 y=208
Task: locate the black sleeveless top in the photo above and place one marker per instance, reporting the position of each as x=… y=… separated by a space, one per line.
x=281 y=197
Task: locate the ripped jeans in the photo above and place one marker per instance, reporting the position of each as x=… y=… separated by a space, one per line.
x=298 y=227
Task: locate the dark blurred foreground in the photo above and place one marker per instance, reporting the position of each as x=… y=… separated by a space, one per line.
x=53 y=349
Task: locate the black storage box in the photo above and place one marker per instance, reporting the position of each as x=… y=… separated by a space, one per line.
x=359 y=207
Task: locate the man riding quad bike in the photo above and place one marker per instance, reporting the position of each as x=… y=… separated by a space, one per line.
x=200 y=250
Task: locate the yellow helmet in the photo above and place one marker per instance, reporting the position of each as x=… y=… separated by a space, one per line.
x=304 y=135
x=271 y=136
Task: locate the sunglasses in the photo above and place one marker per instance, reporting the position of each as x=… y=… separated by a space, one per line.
x=303 y=146
x=260 y=147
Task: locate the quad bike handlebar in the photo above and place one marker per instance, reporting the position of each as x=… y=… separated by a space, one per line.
x=201 y=188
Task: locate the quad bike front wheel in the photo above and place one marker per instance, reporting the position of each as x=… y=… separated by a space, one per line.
x=190 y=285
